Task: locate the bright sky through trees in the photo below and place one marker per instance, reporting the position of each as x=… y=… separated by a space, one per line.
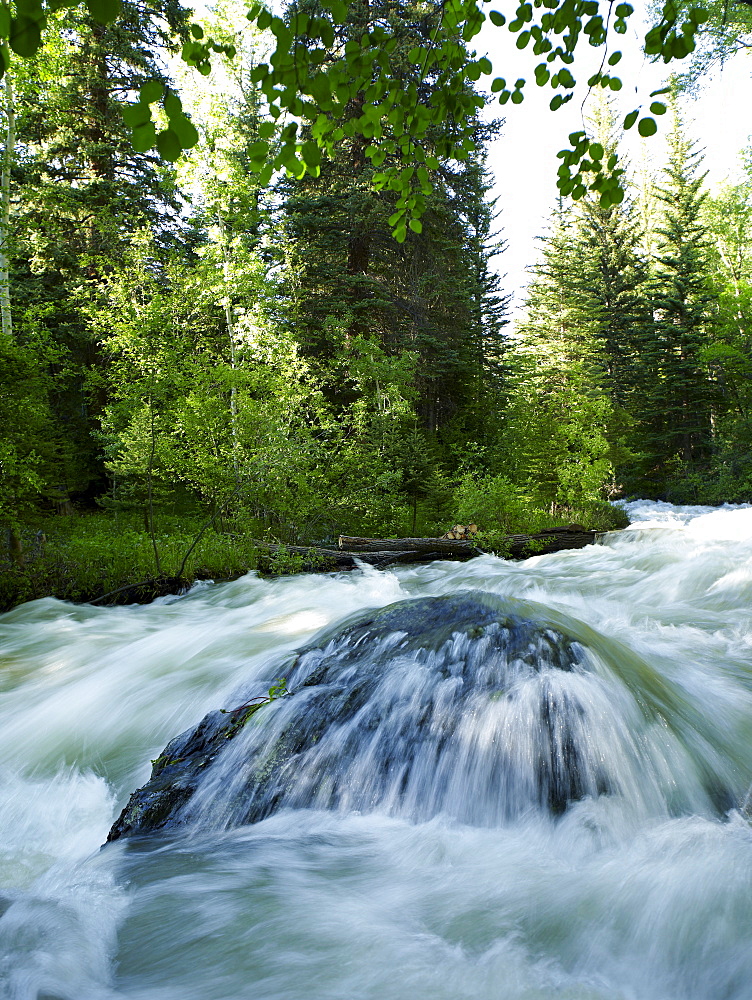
x=523 y=159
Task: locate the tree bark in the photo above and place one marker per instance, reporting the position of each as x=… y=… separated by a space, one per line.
x=457 y=548
x=6 y=322
x=511 y=546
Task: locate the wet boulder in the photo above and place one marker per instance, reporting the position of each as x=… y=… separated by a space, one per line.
x=442 y=705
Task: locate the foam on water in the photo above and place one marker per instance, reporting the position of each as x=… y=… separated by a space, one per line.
x=641 y=895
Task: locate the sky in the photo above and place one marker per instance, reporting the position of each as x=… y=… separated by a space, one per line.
x=523 y=159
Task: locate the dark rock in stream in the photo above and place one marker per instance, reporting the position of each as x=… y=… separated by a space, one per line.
x=447 y=704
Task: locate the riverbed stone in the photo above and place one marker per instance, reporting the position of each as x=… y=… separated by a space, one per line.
x=458 y=642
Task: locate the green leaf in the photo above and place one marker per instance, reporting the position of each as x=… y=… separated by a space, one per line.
x=658 y=108
x=168 y=145
x=311 y=153
x=264 y=20
x=400 y=234
x=631 y=119
x=647 y=127
x=105 y=11
x=339 y=11
x=151 y=91
x=4 y=20
x=144 y=137
x=498 y=84
x=136 y=114
x=172 y=104
x=258 y=150
x=596 y=151
x=614 y=58
x=416 y=225
x=266 y=130
x=25 y=36
x=185 y=130
x=265 y=174
x=197 y=31
x=498 y=19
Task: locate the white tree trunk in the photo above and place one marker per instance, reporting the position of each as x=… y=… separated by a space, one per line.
x=6 y=321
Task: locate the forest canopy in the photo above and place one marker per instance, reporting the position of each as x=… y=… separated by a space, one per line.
x=203 y=339
x=332 y=56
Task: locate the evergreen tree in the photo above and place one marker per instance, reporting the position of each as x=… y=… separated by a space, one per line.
x=79 y=193
x=559 y=423
x=611 y=275
x=682 y=394
x=432 y=294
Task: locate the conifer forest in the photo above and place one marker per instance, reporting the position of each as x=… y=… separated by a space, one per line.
x=194 y=345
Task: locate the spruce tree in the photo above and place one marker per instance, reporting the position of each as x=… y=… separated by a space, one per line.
x=557 y=441
x=682 y=393
x=79 y=193
x=432 y=294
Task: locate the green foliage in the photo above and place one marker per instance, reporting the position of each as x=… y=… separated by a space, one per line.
x=501 y=508
x=25 y=451
x=244 y=713
x=681 y=397
x=303 y=81
x=86 y=558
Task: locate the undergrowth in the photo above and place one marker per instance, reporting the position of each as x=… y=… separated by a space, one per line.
x=92 y=557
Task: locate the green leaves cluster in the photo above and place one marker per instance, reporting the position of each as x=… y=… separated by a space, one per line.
x=585 y=156
x=22 y=23
x=179 y=134
x=335 y=71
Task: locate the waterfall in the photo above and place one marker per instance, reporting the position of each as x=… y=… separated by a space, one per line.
x=490 y=780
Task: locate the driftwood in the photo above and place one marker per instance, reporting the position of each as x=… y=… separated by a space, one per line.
x=381 y=552
x=572 y=536
x=452 y=548
x=313 y=559
x=275 y=560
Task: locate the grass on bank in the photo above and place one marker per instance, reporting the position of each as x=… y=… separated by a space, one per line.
x=85 y=557
x=94 y=556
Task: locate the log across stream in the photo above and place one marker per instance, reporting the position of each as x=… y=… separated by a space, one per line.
x=382 y=552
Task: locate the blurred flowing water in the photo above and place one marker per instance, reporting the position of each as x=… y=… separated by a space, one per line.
x=464 y=887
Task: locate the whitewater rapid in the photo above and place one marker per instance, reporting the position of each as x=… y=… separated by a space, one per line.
x=623 y=897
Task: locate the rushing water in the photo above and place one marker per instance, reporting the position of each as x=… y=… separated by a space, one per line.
x=642 y=890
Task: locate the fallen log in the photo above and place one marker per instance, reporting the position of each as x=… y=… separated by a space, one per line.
x=381 y=552
x=509 y=546
x=281 y=559
x=544 y=542
x=450 y=548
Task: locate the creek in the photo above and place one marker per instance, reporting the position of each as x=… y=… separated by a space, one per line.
x=458 y=881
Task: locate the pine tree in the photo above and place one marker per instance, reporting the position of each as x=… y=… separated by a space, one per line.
x=557 y=441
x=612 y=273
x=682 y=393
x=79 y=193
x=432 y=294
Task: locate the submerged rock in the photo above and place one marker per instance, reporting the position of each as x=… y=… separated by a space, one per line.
x=447 y=704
